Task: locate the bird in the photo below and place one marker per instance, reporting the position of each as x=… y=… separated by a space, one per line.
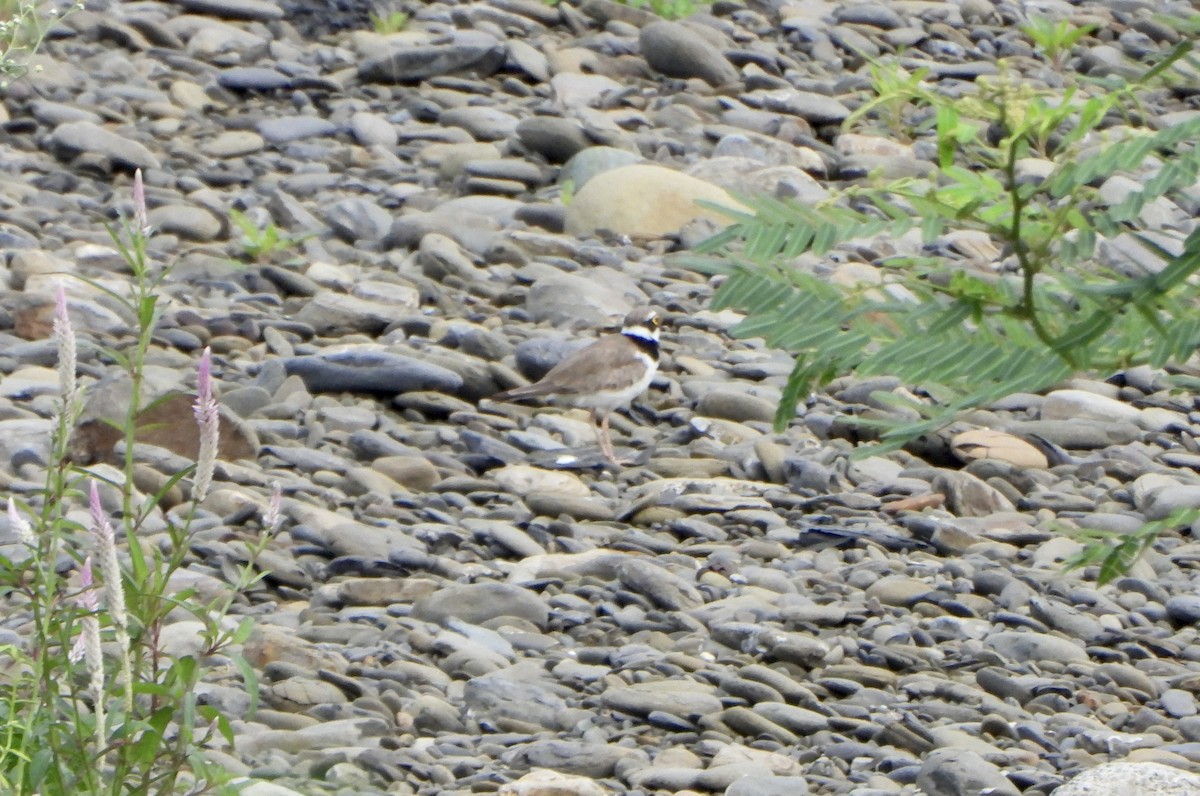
x=604 y=375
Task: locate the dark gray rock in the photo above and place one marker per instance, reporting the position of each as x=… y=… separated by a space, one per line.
x=74 y=138
x=815 y=108
x=874 y=14
x=676 y=50
x=537 y=356
x=553 y=138
x=517 y=694
x=1184 y=609
x=358 y=219
x=471 y=51
x=253 y=78
x=254 y=10
x=576 y=757
x=954 y=772
x=370 y=371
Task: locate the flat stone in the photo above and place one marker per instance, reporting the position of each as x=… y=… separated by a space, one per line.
x=373 y=129
x=1024 y=646
x=676 y=50
x=187 y=221
x=254 y=10
x=253 y=78
x=233 y=144
x=1074 y=404
x=471 y=51
x=953 y=772
x=295 y=128
x=477 y=603
x=370 y=371
x=73 y=138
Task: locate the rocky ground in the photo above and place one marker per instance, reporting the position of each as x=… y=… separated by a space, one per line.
x=461 y=598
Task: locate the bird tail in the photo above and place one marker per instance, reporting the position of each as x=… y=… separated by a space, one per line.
x=519 y=393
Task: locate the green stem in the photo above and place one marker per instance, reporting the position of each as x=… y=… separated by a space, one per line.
x=1029 y=267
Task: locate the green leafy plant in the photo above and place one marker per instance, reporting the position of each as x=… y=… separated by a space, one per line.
x=667 y=9
x=567 y=192
x=91 y=702
x=967 y=333
x=264 y=243
x=23 y=27
x=386 y=22
x=1055 y=39
x=895 y=89
x=1115 y=552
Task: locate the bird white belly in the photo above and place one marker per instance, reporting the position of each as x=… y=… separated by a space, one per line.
x=607 y=400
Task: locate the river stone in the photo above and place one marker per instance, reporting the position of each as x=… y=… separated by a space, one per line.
x=643 y=699
x=295 y=128
x=954 y=772
x=187 y=221
x=754 y=785
x=555 y=139
x=573 y=300
x=552 y=783
x=371 y=128
x=968 y=496
x=371 y=371
x=1016 y=645
x=73 y=138
x=253 y=78
x=1162 y=503
x=984 y=443
x=1072 y=404
x=575 y=757
x=644 y=201
x=480 y=602
x=1125 y=778
x=523 y=693
x=678 y=51
x=473 y=51
x=252 y=10
x=589 y=162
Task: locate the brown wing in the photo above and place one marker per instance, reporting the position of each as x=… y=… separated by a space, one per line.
x=604 y=365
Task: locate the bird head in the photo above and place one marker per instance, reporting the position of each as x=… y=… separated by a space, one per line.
x=643 y=322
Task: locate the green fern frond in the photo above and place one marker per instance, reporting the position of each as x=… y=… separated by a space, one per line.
x=962 y=334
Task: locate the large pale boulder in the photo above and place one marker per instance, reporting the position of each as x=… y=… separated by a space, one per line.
x=644 y=201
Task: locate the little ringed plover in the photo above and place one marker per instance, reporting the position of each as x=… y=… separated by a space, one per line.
x=605 y=375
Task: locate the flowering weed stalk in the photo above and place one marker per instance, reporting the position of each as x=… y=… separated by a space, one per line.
x=91 y=703
x=23 y=27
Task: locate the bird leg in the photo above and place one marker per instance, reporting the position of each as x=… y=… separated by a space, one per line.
x=602 y=436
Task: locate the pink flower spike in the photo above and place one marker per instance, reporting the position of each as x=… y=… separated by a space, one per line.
x=208 y=418
x=87 y=598
x=99 y=521
x=64 y=335
x=78 y=649
x=273 y=516
x=141 y=219
x=114 y=593
x=20 y=525
x=110 y=567
x=204 y=377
